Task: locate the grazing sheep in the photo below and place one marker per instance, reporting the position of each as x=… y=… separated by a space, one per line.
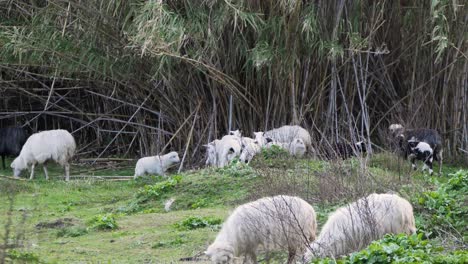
x=57 y=145
x=343 y=150
x=285 y=134
x=12 y=140
x=249 y=150
x=355 y=226
x=420 y=151
x=155 y=164
x=227 y=149
x=279 y=222
x=430 y=136
x=296 y=148
x=211 y=156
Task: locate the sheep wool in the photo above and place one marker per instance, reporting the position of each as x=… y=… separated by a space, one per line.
x=279 y=222
x=155 y=164
x=57 y=145
x=227 y=149
x=355 y=226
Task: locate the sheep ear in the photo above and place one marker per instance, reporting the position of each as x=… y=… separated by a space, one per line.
x=268 y=140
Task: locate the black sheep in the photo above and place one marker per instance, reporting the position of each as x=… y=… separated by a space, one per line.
x=12 y=140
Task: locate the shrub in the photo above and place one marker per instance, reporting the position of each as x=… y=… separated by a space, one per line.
x=195 y=222
x=401 y=249
x=103 y=222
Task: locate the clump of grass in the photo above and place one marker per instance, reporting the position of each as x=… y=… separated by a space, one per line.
x=274 y=152
x=155 y=191
x=170 y=243
x=103 y=222
x=23 y=256
x=195 y=222
x=72 y=232
x=237 y=169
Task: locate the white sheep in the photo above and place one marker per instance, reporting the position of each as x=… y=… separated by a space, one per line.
x=249 y=150
x=57 y=145
x=155 y=164
x=284 y=134
x=211 y=156
x=355 y=226
x=236 y=133
x=279 y=222
x=227 y=149
x=296 y=148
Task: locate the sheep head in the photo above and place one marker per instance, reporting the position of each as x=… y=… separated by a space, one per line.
x=395 y=129
x=237 y=133
x=18 y=165
x=220 y=254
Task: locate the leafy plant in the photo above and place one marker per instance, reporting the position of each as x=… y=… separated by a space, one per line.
x=23 y=256
x=237 y=169
x=103 y=222
x=400 y=249
x=171 y=243
x=274 y=152
x=447 y=206
x=153 y=192
x=195 y=222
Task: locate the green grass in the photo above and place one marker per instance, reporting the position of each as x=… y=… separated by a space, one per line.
x=59 y=217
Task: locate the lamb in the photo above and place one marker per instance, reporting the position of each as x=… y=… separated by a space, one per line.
x=211 y=156
x=12 y=140
x=285 y=134
x=279 y=222
x=355 y=226
x=420 y=151
x=249 y=150
x=429 y=136
x=227 y=149
x=57 y=145
x=236 y=133
x=155 y=164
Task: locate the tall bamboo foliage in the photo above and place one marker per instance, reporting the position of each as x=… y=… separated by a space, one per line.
x=130 y=77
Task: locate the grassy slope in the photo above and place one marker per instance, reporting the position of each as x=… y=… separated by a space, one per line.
x=149 y=235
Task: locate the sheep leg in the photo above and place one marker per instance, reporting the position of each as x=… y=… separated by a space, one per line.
x=439 y=158
x=250 y=257
x=44 y=166
x=413 y=162
x=67 y=171
x=32 y=172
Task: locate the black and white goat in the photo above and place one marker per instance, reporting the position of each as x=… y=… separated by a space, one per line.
x=430 y=136
x=420 y=151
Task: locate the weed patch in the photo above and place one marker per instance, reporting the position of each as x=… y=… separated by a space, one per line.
x=195 y=222
x=103 y=222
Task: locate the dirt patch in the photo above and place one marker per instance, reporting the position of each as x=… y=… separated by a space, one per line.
x=59 y=223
